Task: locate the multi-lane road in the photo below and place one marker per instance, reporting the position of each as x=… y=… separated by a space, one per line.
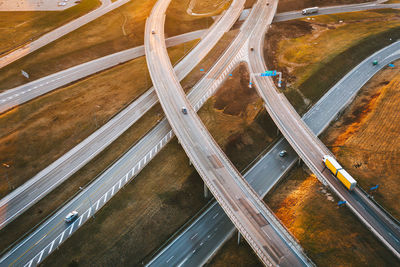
x=37 y=187
x=26 y=92
x=103 y=198
x=59 y=32
x=199 y=241
x=311 y=150
x=335 y=9
x=242 y=205
x=29 y=91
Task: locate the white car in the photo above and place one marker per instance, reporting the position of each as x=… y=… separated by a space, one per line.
x=71 y=216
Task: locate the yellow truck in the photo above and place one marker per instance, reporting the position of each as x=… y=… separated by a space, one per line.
x=339 y=172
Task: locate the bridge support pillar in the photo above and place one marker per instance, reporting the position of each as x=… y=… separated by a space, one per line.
x=239 y=238
x=206 y=191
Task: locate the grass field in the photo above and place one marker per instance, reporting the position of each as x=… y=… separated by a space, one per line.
x=232 y=254
x=124 y=29
x=40 y=131
x=365 y=139
x=39 y=211
x=17 y=28
x=168 y=191
x=331 y=236
x=315 y=54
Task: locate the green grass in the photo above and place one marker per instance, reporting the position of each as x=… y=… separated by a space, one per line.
x=329 y=47
x=331 y=72
x=17 y=28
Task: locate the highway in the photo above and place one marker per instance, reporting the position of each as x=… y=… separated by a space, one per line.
x=334 y=10
x=311 y=150
x=21 y=94
x=81 y=207
x=202 y=238
x=49 y=37
x=25 y=196
x=26 y=92
x=233 y=193
x=50 y=234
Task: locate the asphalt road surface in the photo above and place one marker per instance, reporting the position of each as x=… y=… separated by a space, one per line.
x=26 y=92
x=239 y=201
x=59 y=32
x=44 y=248
x=311 y=150
x=34 y=248
x=333 y=10
x=199 y=241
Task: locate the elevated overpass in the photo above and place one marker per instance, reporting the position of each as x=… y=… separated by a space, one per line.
x=236 y=197
x=311 y=150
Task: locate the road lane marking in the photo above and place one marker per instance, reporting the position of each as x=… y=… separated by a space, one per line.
x=40 y=257
x=51 y=246
x=194 y=236
x=170 y=259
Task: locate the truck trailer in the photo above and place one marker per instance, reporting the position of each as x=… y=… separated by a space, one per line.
x=309 y=10
x=344 y=177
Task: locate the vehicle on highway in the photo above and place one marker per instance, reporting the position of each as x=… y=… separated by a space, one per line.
x=339 y=172
x=283 y=153
x=184 y=110
x=71 y=216
x=375 y=62
x=309 y=10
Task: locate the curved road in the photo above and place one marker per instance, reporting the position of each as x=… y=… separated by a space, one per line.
x=199 y=241
x=239 y=201
x=59 y=32
x=311 y=150
x=26 y=92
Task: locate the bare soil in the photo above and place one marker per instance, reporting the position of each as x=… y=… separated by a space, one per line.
x=330 y=235
x=365 y=138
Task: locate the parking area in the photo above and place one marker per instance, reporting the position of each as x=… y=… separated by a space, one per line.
x=36 y=5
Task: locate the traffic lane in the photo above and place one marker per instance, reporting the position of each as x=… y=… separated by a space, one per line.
x=173 y=113
x=333 y=10
x=57 y=33
x=269 y=164
x=24 y=93
x=23 y=197
x=97 y=193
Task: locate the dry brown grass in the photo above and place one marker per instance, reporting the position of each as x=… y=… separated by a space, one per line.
x=18 y=28
x=164 y=195
x=232 y=254
x=365 y=140
x=331 y=236
x=315 y=54
x=99 y=38
x=40 y=131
